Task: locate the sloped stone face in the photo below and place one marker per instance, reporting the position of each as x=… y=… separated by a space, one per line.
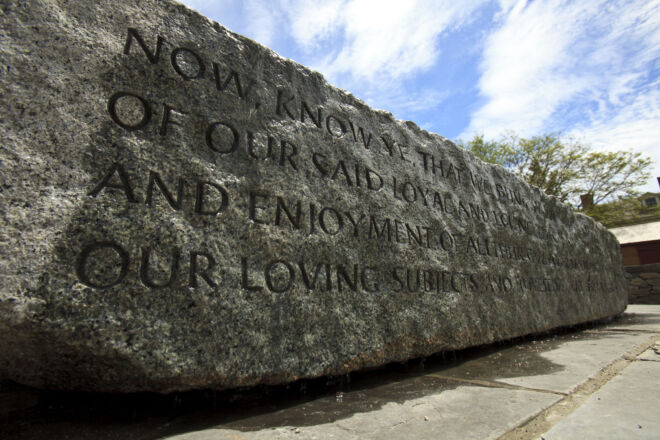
x=182 y=208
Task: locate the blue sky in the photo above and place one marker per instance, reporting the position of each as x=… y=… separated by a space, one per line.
x=587 y=68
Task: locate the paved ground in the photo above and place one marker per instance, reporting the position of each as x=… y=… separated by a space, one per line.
x=597 y=382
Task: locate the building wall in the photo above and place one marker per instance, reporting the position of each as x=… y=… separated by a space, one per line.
x=630 y=256
x=644 y=283
x=641 y=253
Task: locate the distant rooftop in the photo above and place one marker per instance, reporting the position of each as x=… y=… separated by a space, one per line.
x=637 y=233
x=629 y=211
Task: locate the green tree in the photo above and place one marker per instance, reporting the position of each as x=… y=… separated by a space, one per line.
x=564 y=167
x=490 y=151
x=615 y=173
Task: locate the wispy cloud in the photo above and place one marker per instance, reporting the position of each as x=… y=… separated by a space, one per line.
x=261 y=21
x=313 y=23
x=529 y=66
x=381 y=39
x=587 y=68
x=634 y=126
x=226 y=11
x=374 y=46
x=379 y=46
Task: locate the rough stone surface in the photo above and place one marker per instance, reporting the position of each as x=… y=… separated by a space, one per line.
x=638 y=282
x=643 y=268
x=182 y=208
x=644 y=283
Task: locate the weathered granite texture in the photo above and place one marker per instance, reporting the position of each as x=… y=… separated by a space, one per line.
x=183 y=208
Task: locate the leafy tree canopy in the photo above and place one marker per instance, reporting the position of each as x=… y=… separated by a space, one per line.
x=565 y=167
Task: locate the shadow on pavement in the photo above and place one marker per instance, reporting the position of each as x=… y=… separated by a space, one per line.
x=33 y=414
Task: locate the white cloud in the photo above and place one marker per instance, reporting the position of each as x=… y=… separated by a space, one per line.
x=386 y=39
x=634 y=127
x=260 y=20
x=256 y=19
x=583 y=67
x=527 y=67
x=375 y=46
x=223 y=11
x=368 y=45
x=313 y=22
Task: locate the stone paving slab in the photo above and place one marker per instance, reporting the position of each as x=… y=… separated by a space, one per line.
x=581 y=360
x=467 y=412
x=571 y=360
x=652 y=354
x=639 y=317
x=627 y=407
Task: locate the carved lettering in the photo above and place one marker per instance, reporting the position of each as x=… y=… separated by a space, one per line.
x=96 y=278
x=123 y=184
x=183 y=68
x=201 y=200
x=154 y=56
x=145 y=277
x=129 y=125
x=167 y=118
x=175 y=203
x=232 y=77
x=196 y=268
x=281 y=286
x=215 y=144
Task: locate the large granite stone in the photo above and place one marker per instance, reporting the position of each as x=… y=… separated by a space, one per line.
x=183 y=208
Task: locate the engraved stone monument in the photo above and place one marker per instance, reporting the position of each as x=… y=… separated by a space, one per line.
x=183 y=208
